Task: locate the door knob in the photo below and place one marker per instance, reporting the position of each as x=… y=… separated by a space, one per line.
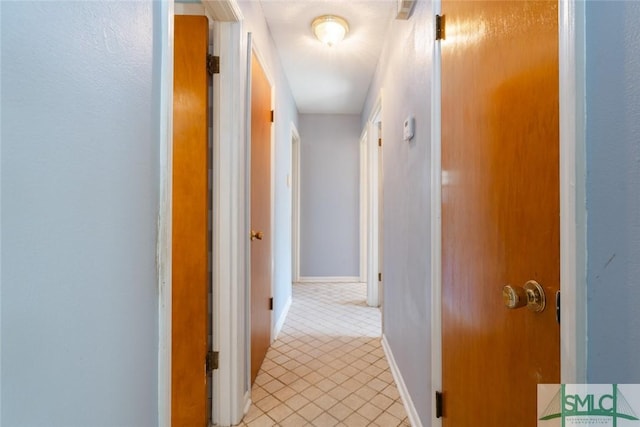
x=256 y=235
x=530 y=295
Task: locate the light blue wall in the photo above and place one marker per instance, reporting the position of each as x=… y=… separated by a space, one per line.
x=286 y=114
x=329 y=195
x=404 y=74
x=613 y=190
x=80 y=190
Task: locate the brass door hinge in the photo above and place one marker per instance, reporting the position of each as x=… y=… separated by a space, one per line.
x=271 y=303
x=440 y=34
x=212 y=360
x=213 y=65
x=379 y=142
x=272 y=114
x=379 y=277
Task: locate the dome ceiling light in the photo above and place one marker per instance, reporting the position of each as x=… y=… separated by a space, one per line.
x=330 y=29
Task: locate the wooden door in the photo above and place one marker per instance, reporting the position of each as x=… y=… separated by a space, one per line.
x=189 y=250
x=260 y=216
x=500 y=208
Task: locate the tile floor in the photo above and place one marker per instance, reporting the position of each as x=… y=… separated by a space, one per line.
x=327 y=367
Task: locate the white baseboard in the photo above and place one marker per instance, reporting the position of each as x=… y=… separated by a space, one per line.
x=414 y=419
x=283 y=316
x=247 y=406
x=329 y=279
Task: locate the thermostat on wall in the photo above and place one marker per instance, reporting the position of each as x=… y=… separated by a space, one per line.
x=409 y=126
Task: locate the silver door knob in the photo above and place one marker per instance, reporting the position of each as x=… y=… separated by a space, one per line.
x=530 y=295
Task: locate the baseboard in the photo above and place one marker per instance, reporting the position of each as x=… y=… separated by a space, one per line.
x=283 y=316
x=246 y=407
x=247 y=402
x=414 y=419
x=329 y=279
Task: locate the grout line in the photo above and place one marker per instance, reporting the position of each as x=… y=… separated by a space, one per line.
x=327 y=366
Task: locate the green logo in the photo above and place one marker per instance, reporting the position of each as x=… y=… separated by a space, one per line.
x=588 y=405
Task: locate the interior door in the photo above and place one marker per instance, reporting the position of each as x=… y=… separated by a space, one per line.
x=260 y=216
x=500 y=208
x=189 y=247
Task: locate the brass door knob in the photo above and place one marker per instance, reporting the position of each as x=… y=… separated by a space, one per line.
x=530 y=295
x=256 y=235
x=514 y=296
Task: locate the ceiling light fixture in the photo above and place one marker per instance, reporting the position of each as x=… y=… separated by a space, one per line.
x=330 y=29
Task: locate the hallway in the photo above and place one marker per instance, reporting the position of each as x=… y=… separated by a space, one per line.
x=327 y=366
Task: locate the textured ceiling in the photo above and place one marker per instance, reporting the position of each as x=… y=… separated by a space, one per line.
x=329 y=80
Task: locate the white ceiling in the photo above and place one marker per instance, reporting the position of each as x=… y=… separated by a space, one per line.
x=323 y=79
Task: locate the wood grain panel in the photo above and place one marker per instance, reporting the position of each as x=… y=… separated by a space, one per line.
x=500 y=208
x=260 y=215
x=189 y=250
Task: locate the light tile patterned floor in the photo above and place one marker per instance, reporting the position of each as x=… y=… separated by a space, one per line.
x=327 y=367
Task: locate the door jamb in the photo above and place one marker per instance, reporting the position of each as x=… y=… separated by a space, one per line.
x=364 y=210
x=370 y=187
x=436 y=222
x=166 y=12
x=295 y=203
x=230 y=247
x=573 y=260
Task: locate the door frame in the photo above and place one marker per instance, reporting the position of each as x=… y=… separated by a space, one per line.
x=295 y=203
x=166 y=12
x=436 y=223
x=230 y=249
x=369 y=204
x=573 y=334
x=573 y=212
x=364 y=209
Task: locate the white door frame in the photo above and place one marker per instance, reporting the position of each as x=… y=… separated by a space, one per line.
x=166 y=9
x=573 y=334
x=364 y=208
x=369 y=185
x=573 y=213
x=295 y=204
x=229 y=245
x=436 y=223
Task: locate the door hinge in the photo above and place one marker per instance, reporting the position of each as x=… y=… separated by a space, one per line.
x=379 y=142
x=440 y=35
x=213 y=65
x=558 y=306
x=272 y=114
x=438 y=404
x=379 y=277
x=271 y=303
x=212 y=360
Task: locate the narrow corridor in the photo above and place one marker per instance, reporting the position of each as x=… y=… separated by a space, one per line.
x=327 y=367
